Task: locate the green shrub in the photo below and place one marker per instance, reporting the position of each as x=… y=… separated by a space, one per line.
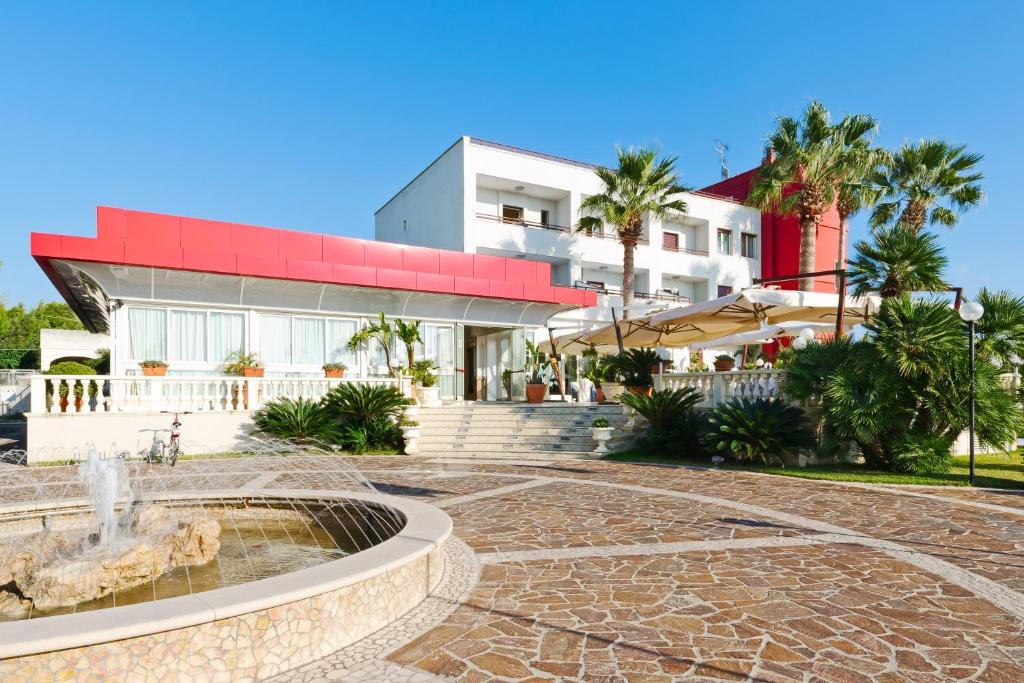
x=757 y=430
x=633 y=366
x=302 y=419
x=70 y=368
x=923 y=454
x=372 y=411
x=13 y=359
x=423 y=373
x=599 y=423
x=676 y=426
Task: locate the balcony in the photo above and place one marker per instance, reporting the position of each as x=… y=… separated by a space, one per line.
x=611 y=290
x=522 y=223
x=610 y=235
x=683 y=250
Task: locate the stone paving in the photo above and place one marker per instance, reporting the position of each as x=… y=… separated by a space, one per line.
x=597 y=571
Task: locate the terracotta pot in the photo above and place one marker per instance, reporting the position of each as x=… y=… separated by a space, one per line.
x=334 y=374
x=600 y=394
x=535 y=393
x=154 y=371
x=252 y=372
x=64 y=403
x=640 y=391
x=724 y=366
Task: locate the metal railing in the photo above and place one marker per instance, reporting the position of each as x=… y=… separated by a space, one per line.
x=521 y=222
x=77 y=394
x=617 y=291
x=611 y=235
x=683 y=250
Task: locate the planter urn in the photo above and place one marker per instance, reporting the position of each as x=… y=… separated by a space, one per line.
x=428 y=397
x=601 y=436
x=411 y=435
x=535 y=393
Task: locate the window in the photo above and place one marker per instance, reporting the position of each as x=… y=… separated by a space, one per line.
x=670 y=241
x=596 y=284
x=511 y=214
x=724 y=290
x=338 y=334
x=308 y=346
x=748 y=245
x=147 y=329
x=545 y=217
x=227 y=335
x=276 y=339
x=725 y=241
x=188 y=336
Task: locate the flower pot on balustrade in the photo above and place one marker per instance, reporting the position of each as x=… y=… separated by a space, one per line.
x=334 y=374
x=252 y=372
x=154 y=371
x=724 y=363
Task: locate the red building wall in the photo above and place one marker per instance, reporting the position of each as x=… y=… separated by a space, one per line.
x=780 y=236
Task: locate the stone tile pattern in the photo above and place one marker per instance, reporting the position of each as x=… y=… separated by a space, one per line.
x=811 y=612
x=575 y=515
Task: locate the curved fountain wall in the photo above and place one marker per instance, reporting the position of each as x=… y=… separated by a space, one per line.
x=246 y=631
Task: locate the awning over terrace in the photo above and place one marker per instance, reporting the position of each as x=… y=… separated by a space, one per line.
x=766 y=334
x=746 y=311
x=140 y=256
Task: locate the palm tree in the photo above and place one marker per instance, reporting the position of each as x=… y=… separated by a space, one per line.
x=806 y=162
x=1001 y=329
x=642 y=186
x=920 y=180
x=898 y=261
x=408 y=334
x=379 y=331
x=860 y=161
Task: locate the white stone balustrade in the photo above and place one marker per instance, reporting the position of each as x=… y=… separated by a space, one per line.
x=719 y=387
x=140 y=394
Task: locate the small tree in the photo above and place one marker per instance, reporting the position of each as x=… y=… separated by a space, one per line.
x=408 y=334
x=379 y=331
x=898 y=261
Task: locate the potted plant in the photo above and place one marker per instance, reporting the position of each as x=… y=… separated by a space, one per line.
x=602 y=432
x=153 y=368
x=506 y=383
x=724 y=362
x=335 y=370
x=634 y=367
x=64 y=387
x=663 y=365
x=410 y=434
x=425 y=381
x=536 y=386
x=244 y=365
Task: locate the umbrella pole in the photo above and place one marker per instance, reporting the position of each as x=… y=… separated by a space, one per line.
x=554 y=363
x=618 y=332
x=841 y=313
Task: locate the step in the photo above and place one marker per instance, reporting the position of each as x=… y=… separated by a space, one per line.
x=514 y=409
x=560 y=441
x=618 y=422
x=503 y=430
x=498 y=448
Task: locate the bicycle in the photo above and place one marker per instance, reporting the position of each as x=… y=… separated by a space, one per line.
x=160 y=452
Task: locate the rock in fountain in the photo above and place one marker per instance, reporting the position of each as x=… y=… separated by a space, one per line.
x=56 y=569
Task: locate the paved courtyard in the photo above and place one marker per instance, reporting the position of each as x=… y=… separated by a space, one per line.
x=577 y=570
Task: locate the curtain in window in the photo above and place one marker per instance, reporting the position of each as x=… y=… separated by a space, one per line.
x=376 y=360
x=147 y=328
x=338 y=334
x=275 y=339
x=227 y=335
x=188 y=336
x=309 y=341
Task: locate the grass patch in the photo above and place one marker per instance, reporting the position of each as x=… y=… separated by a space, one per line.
x=991 y=471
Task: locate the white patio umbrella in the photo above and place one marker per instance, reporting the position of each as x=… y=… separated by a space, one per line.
x=764 y=335
x=745 y=311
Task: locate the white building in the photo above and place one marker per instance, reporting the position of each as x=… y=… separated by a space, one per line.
x=487 y=198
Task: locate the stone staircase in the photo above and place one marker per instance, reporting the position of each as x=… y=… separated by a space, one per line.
x=494 y=430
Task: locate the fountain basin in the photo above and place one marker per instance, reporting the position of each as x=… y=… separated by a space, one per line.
x=249 y=630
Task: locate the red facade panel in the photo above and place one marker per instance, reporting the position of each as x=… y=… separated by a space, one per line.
x=314 y=271
x=488 y=267
x=471 y=286
x=91 y=249
x=145 y=255
x=254 y=241
x=305 y=246
x=456 y=263
x=344 y=250
x=506 y=290
x=354 y=275
x=396 y=279
x=421 y=260
x=430 y=282
x=42 y=244
x=261 y=266
x=519 y=270
x=205 y=235
x=219 y=261
x=110 y=223
x=543 y=273
x=534 y=292
x=154 y=230
x=381 y=255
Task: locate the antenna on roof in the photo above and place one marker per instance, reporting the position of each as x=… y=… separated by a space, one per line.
x=722 y=148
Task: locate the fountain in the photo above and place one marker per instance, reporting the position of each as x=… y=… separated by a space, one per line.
x=133 y=558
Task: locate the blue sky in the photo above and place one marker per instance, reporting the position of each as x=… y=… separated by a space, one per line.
x=309 y=116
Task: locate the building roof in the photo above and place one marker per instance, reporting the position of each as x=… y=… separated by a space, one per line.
x=160 y=241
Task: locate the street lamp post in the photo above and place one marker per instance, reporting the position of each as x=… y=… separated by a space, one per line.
x=971 y=312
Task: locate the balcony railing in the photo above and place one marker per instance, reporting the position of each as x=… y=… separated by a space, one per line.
x=135 y=394
x=611 y=235
x=660 y=295
x=719 y=387
x=684 y=250
x=521 y=222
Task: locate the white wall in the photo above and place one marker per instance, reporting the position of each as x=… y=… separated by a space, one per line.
x=429 y=211
x=57 y=436
x=54 y=344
